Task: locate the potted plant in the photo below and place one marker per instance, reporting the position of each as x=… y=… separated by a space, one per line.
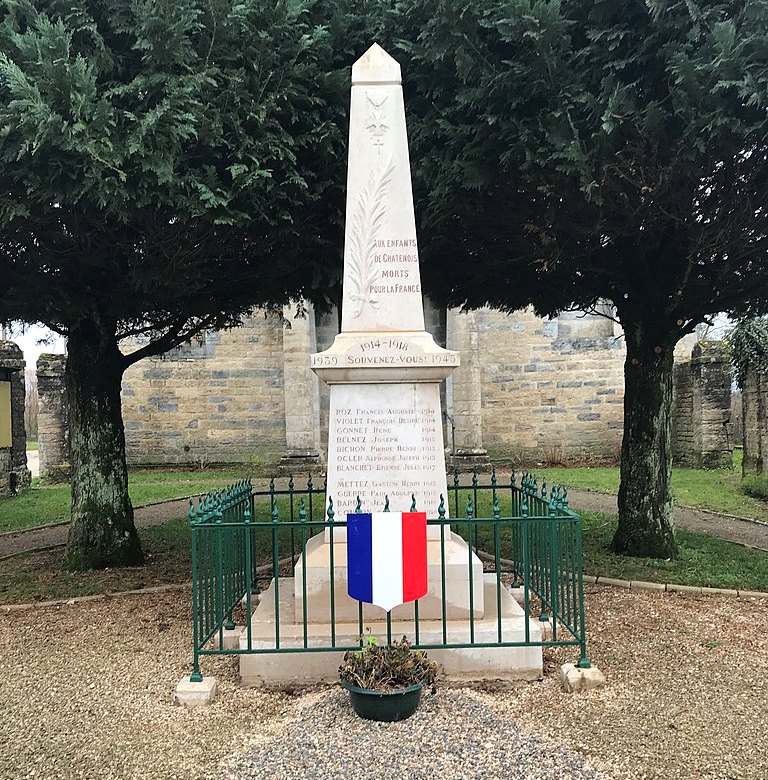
x=385 y=681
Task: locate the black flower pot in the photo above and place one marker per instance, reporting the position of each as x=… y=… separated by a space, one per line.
x=384 y=705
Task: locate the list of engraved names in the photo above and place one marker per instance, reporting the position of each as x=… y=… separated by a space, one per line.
x=387 y=449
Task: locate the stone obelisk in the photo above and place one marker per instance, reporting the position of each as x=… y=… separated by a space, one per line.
x=385 y=431
x=385 y=437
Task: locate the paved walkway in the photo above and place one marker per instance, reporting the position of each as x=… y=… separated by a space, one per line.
x=731 y=529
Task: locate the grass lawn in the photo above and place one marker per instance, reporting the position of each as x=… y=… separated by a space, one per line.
x=43 y=505
x=702 y=561
x=31 y=444
x=714 y=489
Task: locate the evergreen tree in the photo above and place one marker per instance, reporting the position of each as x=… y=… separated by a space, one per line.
x=573 y=152
x=165 y=165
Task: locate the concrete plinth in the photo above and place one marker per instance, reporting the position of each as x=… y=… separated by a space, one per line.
x=457 y=590
x=573 y=678
x=478 y=662
x=195 y=694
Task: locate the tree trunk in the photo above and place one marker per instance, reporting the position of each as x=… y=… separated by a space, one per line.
x=102 y=532
x=645 y=526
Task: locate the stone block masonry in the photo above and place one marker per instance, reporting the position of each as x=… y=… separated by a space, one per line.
x=551 y=390
x=702 y=434
x=527 y=389
x=755 y=422
x=52 y=419
x=218 y=399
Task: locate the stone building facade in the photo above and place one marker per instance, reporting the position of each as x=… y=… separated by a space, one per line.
x=528 y=390
x=15 y=477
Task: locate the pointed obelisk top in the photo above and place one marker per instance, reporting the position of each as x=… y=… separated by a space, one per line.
x=376 y=67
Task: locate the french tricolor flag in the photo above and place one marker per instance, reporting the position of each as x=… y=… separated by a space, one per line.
x=387 y=557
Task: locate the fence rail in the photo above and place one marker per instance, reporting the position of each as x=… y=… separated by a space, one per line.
x=250 y=545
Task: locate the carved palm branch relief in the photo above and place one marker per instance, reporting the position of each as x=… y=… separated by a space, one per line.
x=362 y=271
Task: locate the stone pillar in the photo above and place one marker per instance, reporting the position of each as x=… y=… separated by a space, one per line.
x=713 y=433
x=15 y=477
x=755 y=421
x=466 y=410
x=702 y=434
x=302 y=393
x=52 y=419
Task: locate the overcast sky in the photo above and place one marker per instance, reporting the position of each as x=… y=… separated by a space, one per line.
x=28 y=341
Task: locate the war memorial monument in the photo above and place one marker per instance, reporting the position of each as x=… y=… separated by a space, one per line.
x=385 y=443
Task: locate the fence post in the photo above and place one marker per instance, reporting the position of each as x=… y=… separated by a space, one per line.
x=248 y=563
x=196 y=676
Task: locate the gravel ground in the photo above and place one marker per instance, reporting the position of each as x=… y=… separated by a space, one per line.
x=86 y=693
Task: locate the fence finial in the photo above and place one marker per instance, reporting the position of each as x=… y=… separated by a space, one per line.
x=330 y=512
x=358 y=506
x=441 y=508
x=386 y=503
x=413 y=502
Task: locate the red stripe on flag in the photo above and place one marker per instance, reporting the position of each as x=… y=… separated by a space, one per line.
x=414 y=555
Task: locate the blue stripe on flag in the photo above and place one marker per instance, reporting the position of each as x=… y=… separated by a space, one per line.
x=359 y=556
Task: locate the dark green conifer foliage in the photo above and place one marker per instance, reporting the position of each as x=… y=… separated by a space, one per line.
x=573 y=152
x=165 y=165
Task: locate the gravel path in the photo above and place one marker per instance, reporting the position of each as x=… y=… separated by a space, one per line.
x=86 y=693
x=434 y=743
x=725 y=527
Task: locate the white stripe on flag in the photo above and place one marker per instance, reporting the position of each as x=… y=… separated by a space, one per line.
x=387 y=559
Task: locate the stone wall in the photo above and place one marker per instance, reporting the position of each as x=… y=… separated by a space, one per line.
x=528 y=389
x=52 y=419
x=551 y=390
x=755 y=422
x=15 y=477
x=217 y=399
x=702 y=433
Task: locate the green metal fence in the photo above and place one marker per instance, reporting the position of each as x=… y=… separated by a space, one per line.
x=246 y=544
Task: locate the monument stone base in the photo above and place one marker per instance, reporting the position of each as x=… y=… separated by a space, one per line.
x=458 y=597
x=302 y=667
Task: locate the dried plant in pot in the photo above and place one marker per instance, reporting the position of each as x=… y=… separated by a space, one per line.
x=385 y=681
